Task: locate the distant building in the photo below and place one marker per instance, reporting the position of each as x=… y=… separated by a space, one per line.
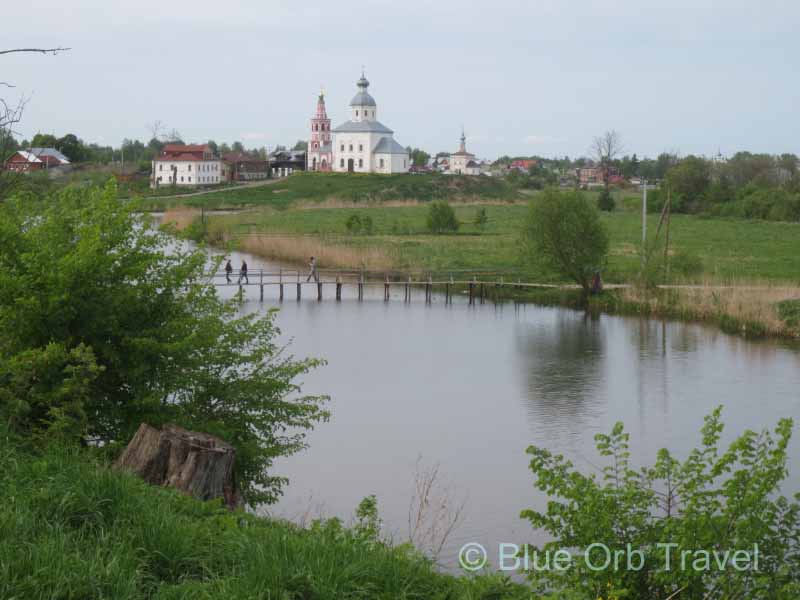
x=593 y=176
x=463 y=162
x=36 y=159
x=286 y=162
x=365 y=145
x=243 y=167
x=523 y=165
x=187 y=165
x=320 y=146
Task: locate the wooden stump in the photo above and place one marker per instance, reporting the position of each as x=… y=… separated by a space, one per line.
x=197 y=464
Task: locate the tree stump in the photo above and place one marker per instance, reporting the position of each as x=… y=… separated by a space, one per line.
x=197 y=464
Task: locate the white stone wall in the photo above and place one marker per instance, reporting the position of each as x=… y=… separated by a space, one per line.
x=188 y=172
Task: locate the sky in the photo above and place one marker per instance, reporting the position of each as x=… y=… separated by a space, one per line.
x=536 y=77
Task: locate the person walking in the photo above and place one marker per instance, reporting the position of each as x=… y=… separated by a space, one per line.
x=243 y=273
x=312 y=272
x=228 y=271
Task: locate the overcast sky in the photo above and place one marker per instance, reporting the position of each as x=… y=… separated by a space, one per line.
x=523 y=76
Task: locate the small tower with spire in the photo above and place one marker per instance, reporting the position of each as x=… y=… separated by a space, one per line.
x=318 y=156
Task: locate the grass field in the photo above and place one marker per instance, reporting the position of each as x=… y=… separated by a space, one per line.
x=729 y=249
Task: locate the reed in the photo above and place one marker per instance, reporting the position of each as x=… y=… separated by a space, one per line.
x=180 y=217
x=329 y=255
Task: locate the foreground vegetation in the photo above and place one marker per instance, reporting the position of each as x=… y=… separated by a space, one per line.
x=75 y=530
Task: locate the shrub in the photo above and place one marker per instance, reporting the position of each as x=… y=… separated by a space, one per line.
x=564 y=229
x=605 y=201
x=367 y=226
x=442 y=217
x=712 y=502
x=353 y=224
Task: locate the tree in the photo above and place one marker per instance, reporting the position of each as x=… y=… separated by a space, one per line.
x=72 y=147
x=605 y=149
x=712 y=502
x=442 y=217
x=301 y=145
x=689 y=180
x=148 y=337
x=237 y=147
x=419 y=158
x=564 y=229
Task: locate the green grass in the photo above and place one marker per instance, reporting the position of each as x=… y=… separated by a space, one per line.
x=728 y=248
x=74 y=529
x=347 y=187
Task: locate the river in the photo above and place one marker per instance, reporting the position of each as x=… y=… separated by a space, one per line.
x=468 y=388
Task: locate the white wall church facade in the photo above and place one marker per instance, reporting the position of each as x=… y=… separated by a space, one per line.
x=365 y=145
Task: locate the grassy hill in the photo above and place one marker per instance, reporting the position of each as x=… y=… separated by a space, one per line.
x=74 y=529
x=350 y=188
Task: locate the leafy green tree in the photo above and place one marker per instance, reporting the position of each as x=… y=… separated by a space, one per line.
x=419 y=158
x=713 y=501
x=689 y=180
x=95 y=280
x=71 y=147
x=481 y=218
x=442 y=217
x=300 y=145
x=237 y=147
x=44 y=140
x=564 y=230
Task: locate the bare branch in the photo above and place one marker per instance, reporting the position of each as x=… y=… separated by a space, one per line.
x=38 y=50
x=6 y=84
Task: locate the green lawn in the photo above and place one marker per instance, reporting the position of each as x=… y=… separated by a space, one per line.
x=728 y=248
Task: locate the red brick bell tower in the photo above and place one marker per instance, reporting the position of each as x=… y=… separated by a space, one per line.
x=320 y=150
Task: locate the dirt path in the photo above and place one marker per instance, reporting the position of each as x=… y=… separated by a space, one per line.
x=217 y=190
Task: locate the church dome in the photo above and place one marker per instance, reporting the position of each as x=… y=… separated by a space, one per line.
x=362 y=98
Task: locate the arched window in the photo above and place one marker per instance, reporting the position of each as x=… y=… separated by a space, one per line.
x=356 y=113
x=360 y=162
x=351 y=147
x=341 y=162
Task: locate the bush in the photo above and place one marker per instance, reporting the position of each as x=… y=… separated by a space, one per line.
x=481 y=218
x=564 y=229
x=605 y=201
x=353 y=224
x=442 y=218
x=712 y=502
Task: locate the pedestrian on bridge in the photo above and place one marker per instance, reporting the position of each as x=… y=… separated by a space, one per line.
x=312 y=266
x=243 y=273
x=228 y=271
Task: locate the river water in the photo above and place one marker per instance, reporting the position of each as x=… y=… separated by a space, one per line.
x=468 y=388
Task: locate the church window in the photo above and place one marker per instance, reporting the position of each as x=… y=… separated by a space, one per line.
x=342 y=147
x=160 y=167
x=361 y=147
x=356 y=113
x=360 y=162
x=381 y=163
x=351 y=147
x=341 y=162
x=190 y=167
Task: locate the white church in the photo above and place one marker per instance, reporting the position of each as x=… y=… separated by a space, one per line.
x=361 y=145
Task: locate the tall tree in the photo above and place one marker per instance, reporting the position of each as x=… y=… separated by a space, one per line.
x=606 y=148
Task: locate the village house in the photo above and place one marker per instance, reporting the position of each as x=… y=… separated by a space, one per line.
x=36 y=159
x=187 y=165
x=523 y=165
x=286 y=162
x=244 y=167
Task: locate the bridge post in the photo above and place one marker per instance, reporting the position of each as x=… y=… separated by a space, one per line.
x=280 y=285
x=472 y=291
x=319 y=291
x=386 y=288
x=483 y=293
x=408 y=289
x=361 y=285
x=298 y=286
x=338 y=288
x=429 y=289
x=261 y=283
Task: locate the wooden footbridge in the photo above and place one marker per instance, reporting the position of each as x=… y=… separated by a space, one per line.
x=478 y=286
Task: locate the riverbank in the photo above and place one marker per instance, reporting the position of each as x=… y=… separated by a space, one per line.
x=73 y=527
x=739 y=275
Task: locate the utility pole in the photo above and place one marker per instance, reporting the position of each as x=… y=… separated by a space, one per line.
x=644 y=220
